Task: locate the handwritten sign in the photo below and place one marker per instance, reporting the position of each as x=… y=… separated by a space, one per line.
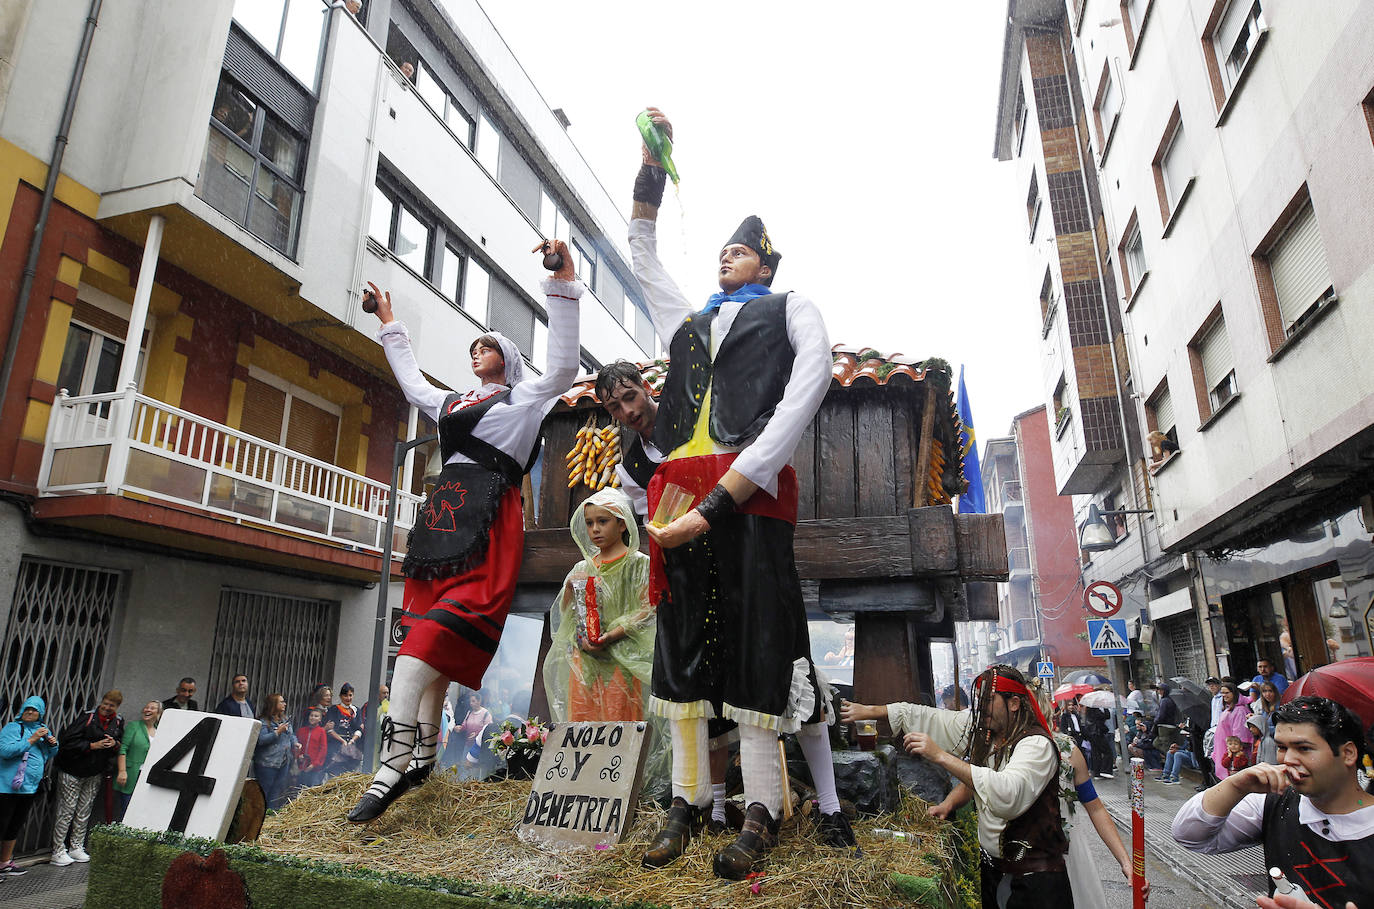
x=587 y=785
x=194 y=773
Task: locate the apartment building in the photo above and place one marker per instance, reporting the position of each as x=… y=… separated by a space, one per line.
x=1040 y=605
x=1233 y=145
x=198 y=424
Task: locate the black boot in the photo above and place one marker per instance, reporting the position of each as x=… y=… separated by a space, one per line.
x=684 y=822
x=835 y=831
x=760 y=834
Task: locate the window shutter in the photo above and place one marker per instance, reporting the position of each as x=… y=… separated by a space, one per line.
x=1215 y=352
x=1176 y=167
x=312 y=431
x=1228 y=28
x=263 y=409
x=1298 y=266
x=1164 y=412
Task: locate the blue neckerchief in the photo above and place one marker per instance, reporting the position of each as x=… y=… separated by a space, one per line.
x=742 y=295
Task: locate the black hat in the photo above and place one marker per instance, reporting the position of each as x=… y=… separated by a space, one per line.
x=1213 y=680
x=753 y=234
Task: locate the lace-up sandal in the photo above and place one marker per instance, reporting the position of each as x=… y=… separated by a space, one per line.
x=379 y=795
x=684 y=822
x=760 y=834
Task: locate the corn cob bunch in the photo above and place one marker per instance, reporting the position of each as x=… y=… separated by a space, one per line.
x=934 y=482
x=593 y=456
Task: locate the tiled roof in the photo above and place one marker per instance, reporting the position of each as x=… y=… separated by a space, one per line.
x=853 y=365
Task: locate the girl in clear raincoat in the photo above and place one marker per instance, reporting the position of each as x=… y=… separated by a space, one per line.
x=602 y=624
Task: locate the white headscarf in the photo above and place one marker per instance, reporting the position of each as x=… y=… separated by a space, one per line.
x=515 y=364
x=614 y=501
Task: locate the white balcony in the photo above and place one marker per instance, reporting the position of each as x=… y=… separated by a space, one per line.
x=1018 y=560
x=125 y=443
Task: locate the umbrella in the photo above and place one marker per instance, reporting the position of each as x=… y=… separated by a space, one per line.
x=1086 y=677
x=1068 y=692
x=1350 y=682
x=1197 y=708
x=1184 y=683
x=1102 y=700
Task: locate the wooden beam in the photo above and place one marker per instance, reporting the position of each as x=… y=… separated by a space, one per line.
x=982 y=547
x=923 y=453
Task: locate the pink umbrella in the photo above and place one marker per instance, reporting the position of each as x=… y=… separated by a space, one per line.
x=1071 y=691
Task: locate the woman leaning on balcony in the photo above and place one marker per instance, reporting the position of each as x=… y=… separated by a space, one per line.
x=464 y=552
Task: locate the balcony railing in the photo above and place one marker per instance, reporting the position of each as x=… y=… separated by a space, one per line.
x=1011 y=493
x=125 y=442
x=1018 y=560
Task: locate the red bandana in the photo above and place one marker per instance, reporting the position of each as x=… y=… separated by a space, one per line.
x=1010 y=686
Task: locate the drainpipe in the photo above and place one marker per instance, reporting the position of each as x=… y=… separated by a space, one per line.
x=49 y=191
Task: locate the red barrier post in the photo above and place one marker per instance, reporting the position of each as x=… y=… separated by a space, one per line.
x=1138 y=833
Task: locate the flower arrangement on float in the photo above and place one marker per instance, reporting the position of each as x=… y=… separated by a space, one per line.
x=519 y=744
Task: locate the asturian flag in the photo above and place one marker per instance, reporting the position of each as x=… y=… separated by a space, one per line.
x=971 y=502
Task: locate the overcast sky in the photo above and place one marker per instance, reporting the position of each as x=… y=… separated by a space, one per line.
x=863 y=140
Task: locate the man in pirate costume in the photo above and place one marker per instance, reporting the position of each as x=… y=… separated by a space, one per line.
x=464 y=552
x=1315 y=822
x=1012 y=766
x=747 y=374
x=627 y=397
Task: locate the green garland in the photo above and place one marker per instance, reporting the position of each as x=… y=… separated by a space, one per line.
x=131 y=862
x=968 y=884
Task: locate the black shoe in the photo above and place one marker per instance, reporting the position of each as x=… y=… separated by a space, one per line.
x=684 y=822
x=760 y=834
x=370 y=807
x=714 y=827
x=835 y=831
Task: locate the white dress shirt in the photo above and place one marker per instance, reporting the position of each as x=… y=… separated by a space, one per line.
x=1199 y=831
x=762 y=458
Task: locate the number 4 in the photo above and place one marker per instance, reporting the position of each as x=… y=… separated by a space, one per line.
x=191 y=783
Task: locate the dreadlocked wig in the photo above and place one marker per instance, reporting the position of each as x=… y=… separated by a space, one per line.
x=1000 y=681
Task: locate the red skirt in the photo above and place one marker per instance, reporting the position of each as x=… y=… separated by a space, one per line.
x=455 y=624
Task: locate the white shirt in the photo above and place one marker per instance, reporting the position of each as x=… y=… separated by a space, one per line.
x=1002 y=794
x=761 y=459
x=1199 y=831
x=512 y=425
x=1217 y=708
x=639 y=496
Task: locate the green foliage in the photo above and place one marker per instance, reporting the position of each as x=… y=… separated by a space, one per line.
x=968 y=882
x=129 y=864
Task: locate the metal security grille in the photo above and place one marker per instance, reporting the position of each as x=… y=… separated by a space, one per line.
x=281 y=643
x=1185 y=647
x=58 y=639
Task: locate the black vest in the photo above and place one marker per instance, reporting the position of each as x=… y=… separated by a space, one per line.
x=636 y=461
x=1038 y=832
x=1339 y=871
x=747 y=377
x=455 y=435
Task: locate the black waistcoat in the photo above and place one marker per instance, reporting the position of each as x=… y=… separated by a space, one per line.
x=636 y=461
x=456 y=425
x=1330 y=873
x=1038 y=832
x=747 y=377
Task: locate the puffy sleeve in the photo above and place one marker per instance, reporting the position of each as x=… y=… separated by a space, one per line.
x=1198 y=831
x=948 y=728
x=564 y=351
x=395 y=340
x=667 y=305
x=1010 y=790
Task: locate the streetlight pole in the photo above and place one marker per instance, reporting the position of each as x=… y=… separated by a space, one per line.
x=372 y=727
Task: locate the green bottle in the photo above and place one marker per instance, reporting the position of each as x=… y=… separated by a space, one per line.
x=657 y=141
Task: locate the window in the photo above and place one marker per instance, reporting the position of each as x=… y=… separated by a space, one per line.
x=1134 y=267
x=552 y=222
x=1236 y=37
x=539 y=358
x=1033 y=204
x=1049 y=304
x=1159 y=413
x=1106 y=108
x=1294 y=267
x=1063 y=405
x=253 y=167
x=292 y=31
x=477 y=292
x=283 y=414
x=443 y=103
x=1018 y=120
x=1214 y=374
x=397 y=224
x=1134 y=13
x=1173 y=169
x=451 y=275
x=488 y=144
x=1230 y=39
x=584 y=263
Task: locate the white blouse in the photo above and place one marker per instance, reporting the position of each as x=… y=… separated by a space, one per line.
x=512 y=425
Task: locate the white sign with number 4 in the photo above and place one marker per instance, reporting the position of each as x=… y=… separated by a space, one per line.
x=194 y=773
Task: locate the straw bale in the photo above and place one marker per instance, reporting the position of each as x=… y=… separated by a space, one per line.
x=466 y=830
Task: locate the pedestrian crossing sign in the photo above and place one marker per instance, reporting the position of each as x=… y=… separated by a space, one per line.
x=1044 y=670
x=1107 y=637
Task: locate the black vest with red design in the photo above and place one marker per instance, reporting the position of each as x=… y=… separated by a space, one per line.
x=746 y=378
x=1329 y=872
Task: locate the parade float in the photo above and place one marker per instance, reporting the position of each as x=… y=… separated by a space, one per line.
x=876 y=544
